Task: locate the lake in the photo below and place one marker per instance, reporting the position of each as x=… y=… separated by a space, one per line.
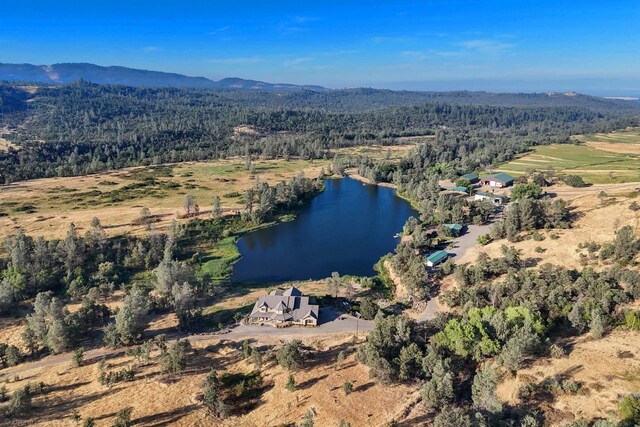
x=346 y=228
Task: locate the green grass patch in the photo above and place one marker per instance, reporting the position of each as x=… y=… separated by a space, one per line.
x=151 y=172
x=593 y=165
x=223 y=254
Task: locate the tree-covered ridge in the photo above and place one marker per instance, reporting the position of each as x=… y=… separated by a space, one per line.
x=505 y=315
x=89 y=128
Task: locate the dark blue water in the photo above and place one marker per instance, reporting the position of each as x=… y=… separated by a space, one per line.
x=347 y=228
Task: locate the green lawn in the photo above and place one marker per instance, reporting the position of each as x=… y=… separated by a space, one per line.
x=593 y=165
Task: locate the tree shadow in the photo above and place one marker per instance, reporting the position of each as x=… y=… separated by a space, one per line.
x=310 y=382
x=364 y=387
x=53 y=389
x=165 y=418
x=58 y=408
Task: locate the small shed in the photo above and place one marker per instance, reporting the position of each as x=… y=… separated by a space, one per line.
x=496 y=199
x=472 y=177
x=436 y=258
x=498 y=180
x=455 y=229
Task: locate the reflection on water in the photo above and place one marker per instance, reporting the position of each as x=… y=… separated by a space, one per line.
x=347 y=228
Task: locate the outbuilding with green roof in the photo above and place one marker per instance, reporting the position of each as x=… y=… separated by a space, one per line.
x=436 y=258
x=498 y=180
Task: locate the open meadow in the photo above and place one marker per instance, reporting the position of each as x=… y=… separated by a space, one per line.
x=46 y=207
x=599 y=159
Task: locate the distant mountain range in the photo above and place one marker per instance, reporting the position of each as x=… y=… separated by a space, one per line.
x=67 y=73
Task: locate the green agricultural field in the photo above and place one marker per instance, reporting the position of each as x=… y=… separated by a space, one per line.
x=594 y=165
x=627 y=136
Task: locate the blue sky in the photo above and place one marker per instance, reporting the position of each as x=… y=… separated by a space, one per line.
x=494 y=45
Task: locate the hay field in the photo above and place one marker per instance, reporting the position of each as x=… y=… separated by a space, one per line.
x=599 y=159
x=47 y=206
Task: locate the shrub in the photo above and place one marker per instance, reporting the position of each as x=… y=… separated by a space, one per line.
x=340 y=359
x=557 y=351
x=368 y=308
x=483 y=390
x=20 y=403
x=438 y=391
x=630 y=409
x=78 y=357
x=573 y=180
x=307 y=420
x=452 y=416
x=9 y=355
x=212 y=397
x=347 y=387
x=290 y=355
x=291 y=383
x=484 y=239
x=632 y=320
x=123 y=417
x=175 y=358
x=525 y=191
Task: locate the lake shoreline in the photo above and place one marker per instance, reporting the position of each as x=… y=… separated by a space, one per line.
x=342 y=265
x=358 y=177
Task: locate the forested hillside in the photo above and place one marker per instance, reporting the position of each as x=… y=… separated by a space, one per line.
x=85 y=128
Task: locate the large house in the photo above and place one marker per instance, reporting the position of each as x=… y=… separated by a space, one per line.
x=498 y=180
x=284 y=307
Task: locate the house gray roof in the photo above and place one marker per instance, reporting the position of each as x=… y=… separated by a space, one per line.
x=289 y=292
x=290 y=301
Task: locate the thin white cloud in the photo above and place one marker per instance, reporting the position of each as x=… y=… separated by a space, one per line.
x=237 y=61
x=304 y=19
x=151 y=49
x=219 y=30
x=296 y=61
x=486 y=45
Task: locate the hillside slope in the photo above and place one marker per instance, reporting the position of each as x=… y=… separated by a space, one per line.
x=70 y=72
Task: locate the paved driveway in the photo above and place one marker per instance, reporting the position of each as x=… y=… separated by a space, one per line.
x=459 y=247
x=468 y=240
x=331 y=323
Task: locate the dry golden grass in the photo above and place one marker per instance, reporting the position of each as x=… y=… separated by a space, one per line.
x=61 y=201
x=607 y=369
x=160 y=400
x=596 y=222
x=5 y=145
